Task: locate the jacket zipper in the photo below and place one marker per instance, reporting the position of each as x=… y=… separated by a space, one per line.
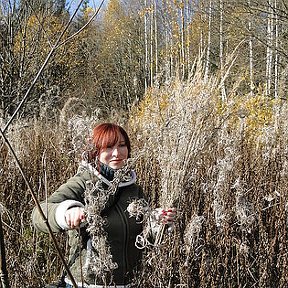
x=126 y=237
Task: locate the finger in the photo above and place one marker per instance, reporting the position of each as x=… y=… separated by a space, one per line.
x=76 y=223
x=169 y=220
x=170 y=216
x=72 y=219
x=82 y=216
x=172 y=210
x=69 y=220
x=163 y=213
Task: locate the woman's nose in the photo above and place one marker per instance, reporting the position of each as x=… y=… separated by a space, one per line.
x=115 y=151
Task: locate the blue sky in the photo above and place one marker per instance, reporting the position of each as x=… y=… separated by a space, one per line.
x=74 y=3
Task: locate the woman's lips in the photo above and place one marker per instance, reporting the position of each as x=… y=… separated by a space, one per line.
x=116 y=161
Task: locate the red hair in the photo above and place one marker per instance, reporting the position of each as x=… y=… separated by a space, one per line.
x=107 y=135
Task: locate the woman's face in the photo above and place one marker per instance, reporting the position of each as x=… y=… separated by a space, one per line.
x=116 y=155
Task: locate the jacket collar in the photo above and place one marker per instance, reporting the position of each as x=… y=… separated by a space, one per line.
x=90 y=168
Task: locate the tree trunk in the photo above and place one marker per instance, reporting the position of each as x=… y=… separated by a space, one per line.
x=276 y=60
x=146 y=46
x=156 y=39
x=3 y=268
x=221 y=50
x=182 y=57
x=251 y=64
x=269 y=52
x=207 y=60
x=151 y=46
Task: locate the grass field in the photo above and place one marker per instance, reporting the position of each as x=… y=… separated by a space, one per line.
x=222 y=164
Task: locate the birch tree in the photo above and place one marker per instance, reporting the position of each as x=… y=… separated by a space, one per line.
x=251 y=66
x=276 y=61
x=156 y=38
x=182 y=30
x=151 y=44
x=221 y=50
x=208 y=46
x=146 y=44
x=269 y=51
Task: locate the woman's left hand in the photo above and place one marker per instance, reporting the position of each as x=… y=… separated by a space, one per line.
x=167 y=216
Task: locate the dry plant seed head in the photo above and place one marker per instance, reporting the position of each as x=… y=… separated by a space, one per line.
x=268 y=138
x=218 y=200
x=273 y=197
x=192 y=232
x=244 y=210
x=243 y=249
x=245 y=213
x=139 y=209
x=18 y=139
x=2 y=122
x=75 y=107
x=219 y=211
x=48 y=103
x=78 y=132
x=284 y=170
x=222 y=171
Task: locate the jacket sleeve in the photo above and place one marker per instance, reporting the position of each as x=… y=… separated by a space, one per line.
x=66 y=196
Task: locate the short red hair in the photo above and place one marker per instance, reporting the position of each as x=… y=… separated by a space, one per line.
x=107 y=135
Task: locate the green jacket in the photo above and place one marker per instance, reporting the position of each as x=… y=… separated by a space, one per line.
x=121 y=229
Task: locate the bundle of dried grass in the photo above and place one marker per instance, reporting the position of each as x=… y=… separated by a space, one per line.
x=224 y=165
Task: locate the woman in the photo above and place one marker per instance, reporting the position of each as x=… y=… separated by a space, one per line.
x=92 y=206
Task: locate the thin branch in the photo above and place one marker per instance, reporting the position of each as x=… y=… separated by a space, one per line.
x=84 y=26
x=3 y=268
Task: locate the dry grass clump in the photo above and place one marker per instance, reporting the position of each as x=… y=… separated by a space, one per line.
x=49 y=155
x=163 y=127
x=224 y=165
x=28 y=254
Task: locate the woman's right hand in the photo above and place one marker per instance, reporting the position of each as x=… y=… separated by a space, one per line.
x=74 y=216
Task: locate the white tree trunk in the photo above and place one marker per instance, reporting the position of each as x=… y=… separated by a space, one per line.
x=151 y=45
x=188 y=17
x=269 y=51
x=207 y=60
x=251 y=62
x=276 y=60
x=146 y=46
x=221 y=50
x=182 y=57
x=156 y=38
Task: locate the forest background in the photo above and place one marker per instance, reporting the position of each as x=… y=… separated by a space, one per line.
x=201 y=87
